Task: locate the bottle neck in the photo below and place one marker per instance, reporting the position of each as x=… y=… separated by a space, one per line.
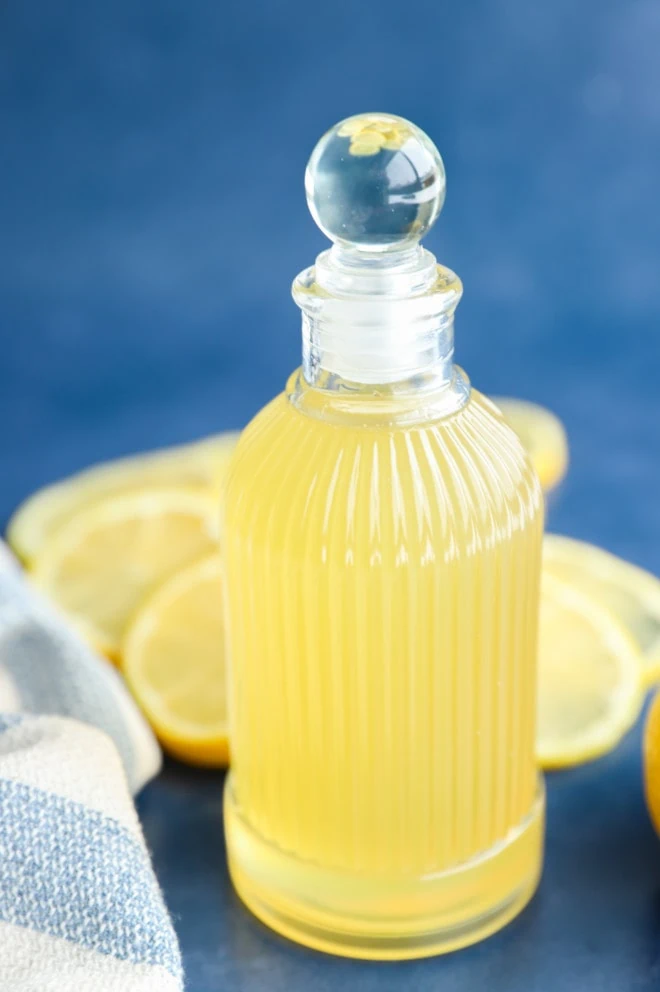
x=377 y=319
x=422 y=399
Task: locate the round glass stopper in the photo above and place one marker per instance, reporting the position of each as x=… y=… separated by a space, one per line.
x=375 y=182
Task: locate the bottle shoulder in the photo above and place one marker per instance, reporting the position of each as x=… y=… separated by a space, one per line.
x=443 y=478
x=478 y=423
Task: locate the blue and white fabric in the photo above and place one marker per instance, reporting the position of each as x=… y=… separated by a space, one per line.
x=80 y=907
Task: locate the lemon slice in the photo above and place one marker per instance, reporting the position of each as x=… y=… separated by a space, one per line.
x=652 y=762
x=589 y=691
x=200 y=464
x=173 y=660
x=626 y=590
x=542 y=435
x=99 y=566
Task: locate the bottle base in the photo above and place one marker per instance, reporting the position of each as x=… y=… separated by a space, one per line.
x=379 y=918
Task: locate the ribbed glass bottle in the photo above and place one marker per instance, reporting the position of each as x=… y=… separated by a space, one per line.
x=382 y=581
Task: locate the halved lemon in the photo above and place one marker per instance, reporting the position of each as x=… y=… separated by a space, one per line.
x=174 y=661
x=589 y=691
x=201 y=464
x=624 y=589
x=543 y=436
x=100 y=565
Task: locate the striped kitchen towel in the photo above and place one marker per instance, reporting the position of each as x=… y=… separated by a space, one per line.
x=80 y=907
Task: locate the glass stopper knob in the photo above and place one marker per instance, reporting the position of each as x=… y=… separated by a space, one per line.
x=375 y=182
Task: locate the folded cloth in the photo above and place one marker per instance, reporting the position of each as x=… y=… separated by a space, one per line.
x=45 y=668
x=80 y=907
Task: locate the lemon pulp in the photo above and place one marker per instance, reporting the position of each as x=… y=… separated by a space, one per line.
x=200 y=465
x=102 y=563
x=629 y=592
x=174 y=661
x=589 y=677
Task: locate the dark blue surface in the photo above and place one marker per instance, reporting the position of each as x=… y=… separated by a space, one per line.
x=151 y=219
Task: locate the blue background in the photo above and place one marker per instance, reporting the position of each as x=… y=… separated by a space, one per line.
x=152 y=217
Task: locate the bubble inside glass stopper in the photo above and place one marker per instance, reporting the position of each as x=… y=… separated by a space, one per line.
x=375 y=182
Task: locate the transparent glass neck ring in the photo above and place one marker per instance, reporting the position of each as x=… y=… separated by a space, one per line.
x=377 y=318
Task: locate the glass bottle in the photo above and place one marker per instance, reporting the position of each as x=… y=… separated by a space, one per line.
x=383 y=532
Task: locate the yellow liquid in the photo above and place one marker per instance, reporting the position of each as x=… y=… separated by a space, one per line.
x=382 y=604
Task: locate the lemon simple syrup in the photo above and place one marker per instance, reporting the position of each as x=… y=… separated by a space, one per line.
x=382 y=543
